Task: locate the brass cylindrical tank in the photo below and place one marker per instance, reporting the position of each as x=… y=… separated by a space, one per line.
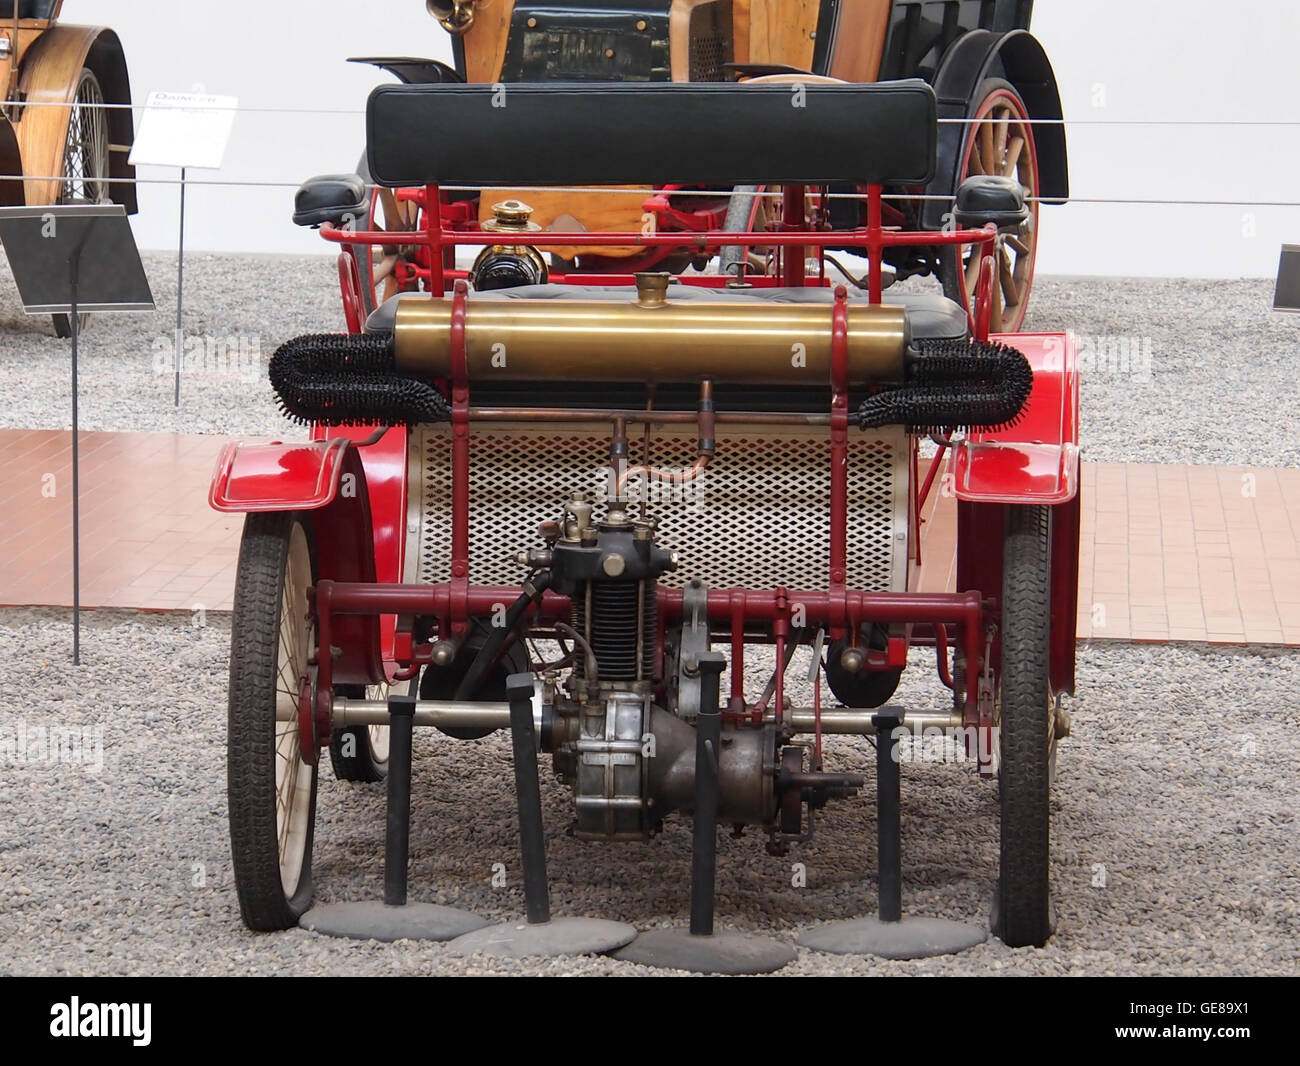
x=649 y=338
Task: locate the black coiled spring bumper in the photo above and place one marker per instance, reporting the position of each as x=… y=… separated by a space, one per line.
x=337 y=379
x=954 y=385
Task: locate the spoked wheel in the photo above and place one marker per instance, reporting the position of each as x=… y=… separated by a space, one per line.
x=85 y=161
x=379 y=263
x=360 y=752
x=1024 y=710
x=1001 y=142
x=271 y=788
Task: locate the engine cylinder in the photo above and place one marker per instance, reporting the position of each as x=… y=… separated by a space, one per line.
x=611 y=573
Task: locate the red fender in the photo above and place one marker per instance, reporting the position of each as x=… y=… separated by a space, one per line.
x=357 y=523
x=1034 y=462
x=385 y=465
x=306 y=476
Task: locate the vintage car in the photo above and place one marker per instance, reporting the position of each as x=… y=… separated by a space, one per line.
x=644 y=468
x=999 y=110
x=67 y=128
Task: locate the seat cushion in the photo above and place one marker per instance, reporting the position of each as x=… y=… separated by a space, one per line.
x=984 y=198
x=931 y=316
x=631 y=133
x=332 y=198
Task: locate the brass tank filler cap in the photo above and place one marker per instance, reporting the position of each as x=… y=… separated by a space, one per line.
x=511 y=216
x=652 y=289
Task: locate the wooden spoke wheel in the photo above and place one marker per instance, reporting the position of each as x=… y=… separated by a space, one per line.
x=388 y=214
x=1001 y=142
x=1025 y=730
x=271 y=788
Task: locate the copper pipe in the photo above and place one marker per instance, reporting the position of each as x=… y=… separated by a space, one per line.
x=704 y=451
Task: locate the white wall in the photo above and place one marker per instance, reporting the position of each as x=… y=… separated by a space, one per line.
x=1127 y=60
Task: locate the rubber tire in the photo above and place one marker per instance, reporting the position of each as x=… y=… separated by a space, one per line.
x=739 y=209
x=951 y=275
x=1024 y=913
x=250 y=761
x=362 y=766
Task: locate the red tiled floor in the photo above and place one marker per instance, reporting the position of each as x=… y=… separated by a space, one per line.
x=1166 y=552
x=148 y=538
x=1172 y=553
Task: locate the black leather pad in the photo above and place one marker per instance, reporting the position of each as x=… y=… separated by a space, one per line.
x=984 y=198
x=330 y=198
x=658 y=133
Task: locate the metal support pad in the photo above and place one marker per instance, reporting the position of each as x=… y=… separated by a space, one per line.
x=890 y=935
x=701 y=950
x=397 y=837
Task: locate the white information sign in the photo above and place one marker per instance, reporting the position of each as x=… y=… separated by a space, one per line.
x=184 y=130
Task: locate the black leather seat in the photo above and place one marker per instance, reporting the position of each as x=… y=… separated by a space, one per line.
x=931 y=316
x=335 y=198
x=985 y=198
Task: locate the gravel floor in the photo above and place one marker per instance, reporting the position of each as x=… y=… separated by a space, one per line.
x=1175 y=843
x=1173 y=370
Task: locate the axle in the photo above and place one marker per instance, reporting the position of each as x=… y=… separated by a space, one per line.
x=488 y=714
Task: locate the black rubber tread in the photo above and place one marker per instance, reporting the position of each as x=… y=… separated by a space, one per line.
x=1024 y=904
x=361 y=766
x=951 y=274
x=250 y=741
x=739 y=208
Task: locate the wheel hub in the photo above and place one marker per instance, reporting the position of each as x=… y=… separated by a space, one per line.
x=308 y=733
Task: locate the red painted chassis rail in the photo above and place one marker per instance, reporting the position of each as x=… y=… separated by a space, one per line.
x=874 y=238
x=731 y=610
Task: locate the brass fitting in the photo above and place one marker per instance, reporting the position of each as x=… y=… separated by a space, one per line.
x=503 y=265
x=652 y=290
x=455 y=16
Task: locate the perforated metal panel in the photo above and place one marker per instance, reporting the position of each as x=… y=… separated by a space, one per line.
x=758 y=518
x=710 y=41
